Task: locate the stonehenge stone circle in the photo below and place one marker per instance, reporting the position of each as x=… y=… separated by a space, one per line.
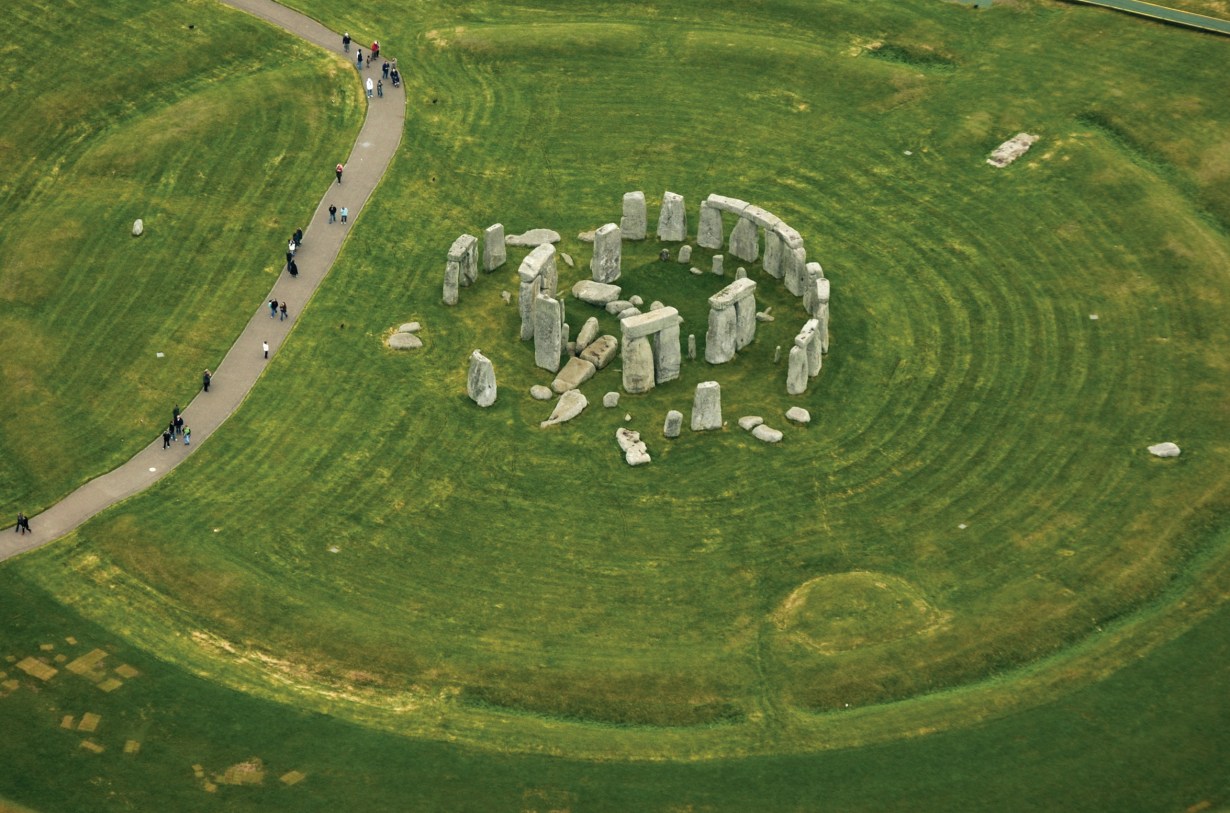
x=673 y=424
x=604 y=265
x=673 y=219
x=707 y=407
x=480 y=381
x=494 y=252
x=569 y=405
x=634 y=223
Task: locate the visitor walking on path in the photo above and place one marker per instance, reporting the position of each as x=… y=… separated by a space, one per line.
x=346 y=42
x=339 y=172
x=298 y=237
x=166 y=438
x=358 y=60
x=187 y=435
x=273 y=308
x=179 y=425
x=282 y=311
x=384 y=69
x=379 y=88
x=332 y=213
x=23 y=523
x=293 y=268
x=345 y=214
x=265 y=347
x=375 y=49
x=206 y=377
x=370 y=87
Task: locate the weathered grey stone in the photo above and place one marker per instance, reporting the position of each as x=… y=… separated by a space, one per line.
x=673 y=218
x=452 y=279
x=529 y=292
x=494 y=253
x=410 y=327
x=809 y=340
x=464 y=252
x=548 y=332
x=567 y=258
x=506 y=296
x=634 y=223
x=774 y=248
x=798 y=415
x=1011 y=149
x=589 y=332
x=709 y=230
x=575 y=373
x=610 y=400
x=636 y=301
x=720 y=339
x=601 y=351
x=718 y=263
x=405 y=341
x=822 y=319
x=727 y=204
x=656 y=305
x=667 y=360
x=541 y=263
x=707 y=407
x=812 y=276
x=616 y=305
x=777 y=354
x=738 y=291
x=637 y=359
x=764 y=316
x=540 y=393
x=673 y=423
x=608 y=246
x=570 y=349
x=595 y=293
x=750 y=422
x=745 y=322
x=766 y=434
x=533 y=237
x=567 y=407
x=627 y=417
x=696 y=271
x=762 y=218
x=685 y=254
x=138 y=227
x=480 y=380
x=1166 y=449
x=745 y=240
x=634 y=449
x=645 y=324
x=794 y=261
x=626 y=312
x=587 y=236
x=796 y=371
x=790 y=237
x=691 y=347
x=740 y=273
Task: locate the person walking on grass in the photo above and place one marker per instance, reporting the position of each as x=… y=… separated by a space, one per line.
x=370 y=87
x=273 y=308
x=345 y=214
x=265 y=347
x=332 y=213
x=206 y=377
x=339 y=172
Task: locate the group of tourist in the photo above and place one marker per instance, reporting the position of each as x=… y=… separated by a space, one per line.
x=387 y=70
x=177 y=429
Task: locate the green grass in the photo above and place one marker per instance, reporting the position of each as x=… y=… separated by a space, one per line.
x=511 y=590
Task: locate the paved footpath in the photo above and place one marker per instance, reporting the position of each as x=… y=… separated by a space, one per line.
x=1169 y=15
x=234 y=378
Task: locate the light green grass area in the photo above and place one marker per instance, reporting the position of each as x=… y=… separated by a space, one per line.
x=210 y=135
x=965 y=579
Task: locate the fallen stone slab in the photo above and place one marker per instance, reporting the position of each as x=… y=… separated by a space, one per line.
x=634 y=449
x=405 y=341
x=587 y=334
x=532 y=238
x=610 y=400
x=596 y=293
x=569 y=405
x=616 y=305
x=601 y=350
x=766 y=434
x=575 y=373
x=1012 y=149
x=410 y=327
x=1166 y=449
x=750 y=422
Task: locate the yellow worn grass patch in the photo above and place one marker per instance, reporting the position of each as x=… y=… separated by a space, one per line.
x=35 y=668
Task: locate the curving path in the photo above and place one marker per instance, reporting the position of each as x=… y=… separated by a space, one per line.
x=1166 y=15
x=239 y=371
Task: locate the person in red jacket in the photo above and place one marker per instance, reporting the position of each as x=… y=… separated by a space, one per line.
x=375 y=49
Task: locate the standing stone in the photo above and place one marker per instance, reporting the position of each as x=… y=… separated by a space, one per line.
x=480 y=381
x=452 y=277
x=796 y=372
x=604 y=266
x=548 y=332
x=673 y=423
x=673 y=219
x=822 y=318
x=494 y=253
x=709 y=232
x=637 y=356
x=667 y=360
x=685 y=254
x=777 y=354
x=813 y=274
x=794 y=264
x=691 y=347
x=740 y=273
x=464 y=252
x=634 y=222
x=138 y=227
x=718 y=262
x=774 y=247
x=720 y=340
x=809 y=340
x=745 y=240
x=745 y=322
x=589 y=332
x=707 y=407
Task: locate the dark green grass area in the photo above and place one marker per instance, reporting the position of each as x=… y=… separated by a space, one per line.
x=362 y=541
x=212 y=135
x=1118 y=745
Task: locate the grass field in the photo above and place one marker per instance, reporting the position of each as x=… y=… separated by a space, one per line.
x=965 y=580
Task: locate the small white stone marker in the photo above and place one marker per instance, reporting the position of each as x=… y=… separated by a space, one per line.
x=151 y=468
x=1093 y=317
x=334 y=549
x=962 y=526
x=909 y=152
x=217 y=529
x=160 y=355
x=1166 y=449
